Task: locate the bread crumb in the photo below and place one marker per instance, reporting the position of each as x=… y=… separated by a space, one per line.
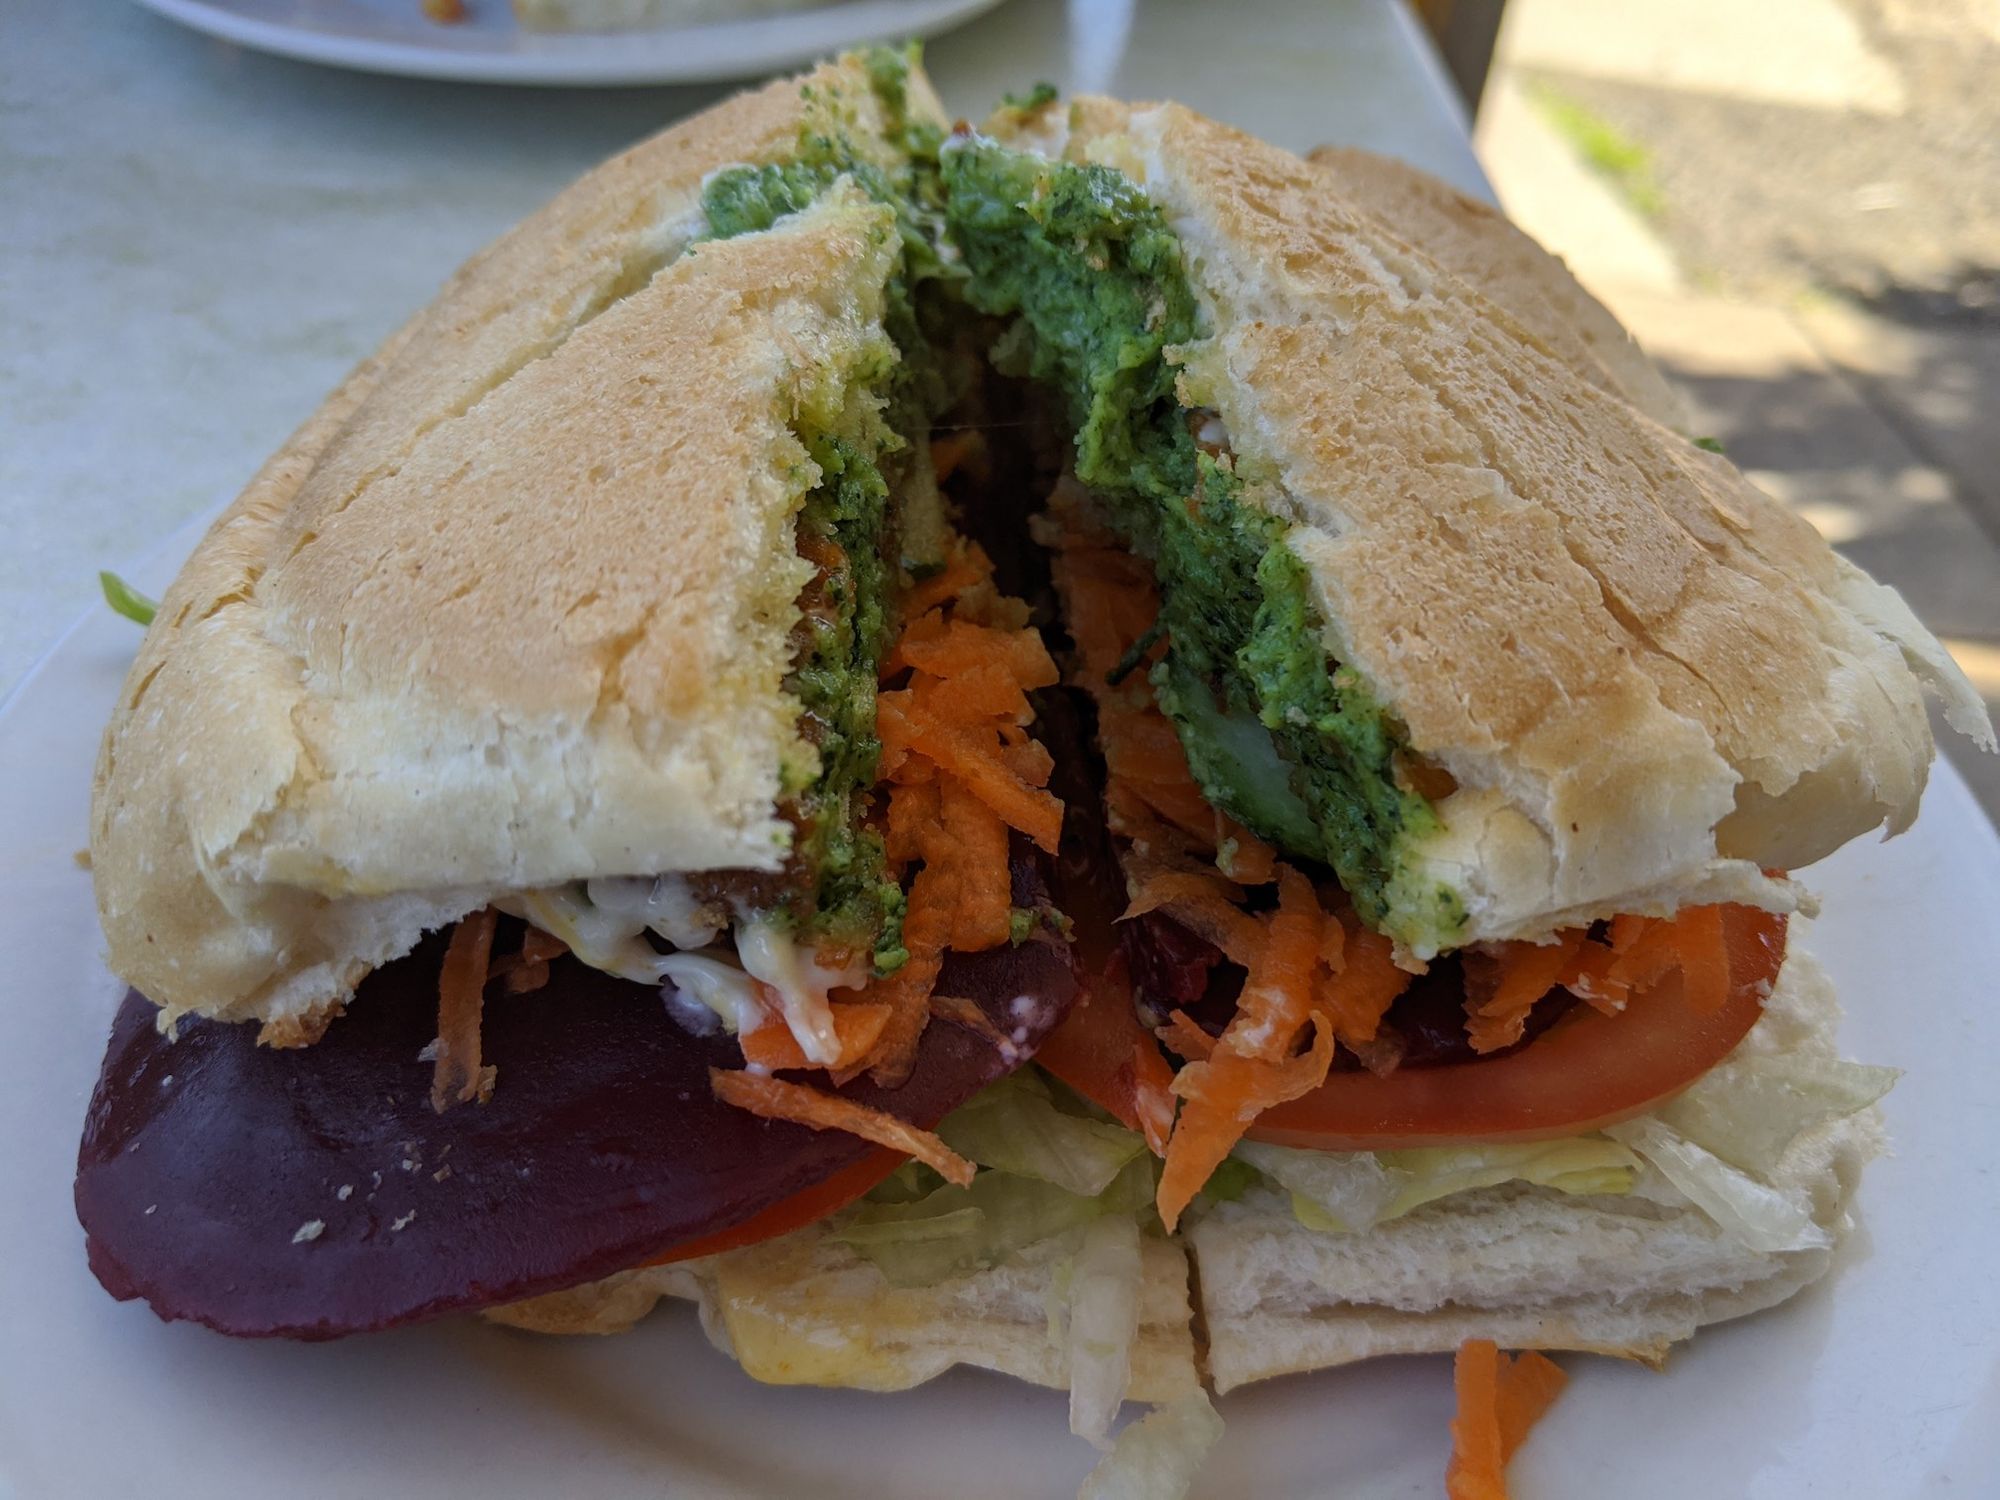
x=404 y=1222
x=309 y=1231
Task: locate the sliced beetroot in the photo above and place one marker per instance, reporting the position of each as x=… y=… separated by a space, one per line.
x=313 y=1193
x=1173 y=969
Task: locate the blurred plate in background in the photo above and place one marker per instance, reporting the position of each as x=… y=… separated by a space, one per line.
x=393 y=36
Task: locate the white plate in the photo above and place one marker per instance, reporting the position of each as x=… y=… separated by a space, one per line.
x=1883 y=1383
x=392 y=36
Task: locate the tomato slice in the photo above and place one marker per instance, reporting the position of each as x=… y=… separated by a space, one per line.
x=1586 y=1071
x=1097 y=1048
x=795 y=1212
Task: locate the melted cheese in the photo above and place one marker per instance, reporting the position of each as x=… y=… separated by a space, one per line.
x=802 y=985
x=605 y=922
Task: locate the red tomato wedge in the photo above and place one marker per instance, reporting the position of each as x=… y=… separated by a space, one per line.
x=1586 y=1071
x=1097 y=1048
x=795 y=1212
x=1112 y=1060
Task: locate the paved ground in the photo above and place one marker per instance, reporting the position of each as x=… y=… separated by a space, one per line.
x=1796 y=206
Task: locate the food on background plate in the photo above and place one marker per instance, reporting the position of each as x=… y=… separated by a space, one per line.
x=835 y=608
x=640 y=15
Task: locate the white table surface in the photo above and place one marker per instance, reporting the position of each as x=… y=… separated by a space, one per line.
x=196 y=241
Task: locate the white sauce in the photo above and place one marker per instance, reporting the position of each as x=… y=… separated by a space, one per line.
x=604 y=923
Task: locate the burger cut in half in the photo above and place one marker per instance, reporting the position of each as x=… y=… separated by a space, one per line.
x=601 y=643
x=834 y=608
x=1460 y=722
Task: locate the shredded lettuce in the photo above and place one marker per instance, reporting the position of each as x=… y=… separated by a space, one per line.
x=909 y=1182
x=1720 y=1141
x=953 y=1230
x=1157 y=1457
x=1749 y=1110
x=1016 y=1127
x=1103 y=1324
x=1751 y=1211
x=1351 y=1191
x=126 y=600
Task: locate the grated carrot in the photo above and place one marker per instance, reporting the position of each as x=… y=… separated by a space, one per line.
x=962 y=647
x=1030 y=761
x=456 y=1076
x=1704 y=958
x=927 y=924
x=857 y=1025
x=1645 y=959
x=1152 y=1093
x=1221 y=1098
x=913 y=815
x=1357 y=994
x=1185 y=1037
x=1499 y=1399
x=525 y=979
x=1201 y=902
x=777 y=1099
x=985 y=691
x=1252 y=1067
x=973 y=843
x=1520 y=974
x=964 y=567
x=955 y=448
x=1242 y=856
x=1035 y=812
x=527 y=969
x=961 y=771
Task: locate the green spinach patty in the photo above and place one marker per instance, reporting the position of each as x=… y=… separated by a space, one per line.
x=1092 y=279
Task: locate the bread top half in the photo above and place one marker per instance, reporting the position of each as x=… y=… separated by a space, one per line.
x=1481 y=246
x=1648 y=681
x=514 y=606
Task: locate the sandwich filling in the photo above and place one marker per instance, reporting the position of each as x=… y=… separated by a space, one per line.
x=1251 y=1039
x=1278 y=736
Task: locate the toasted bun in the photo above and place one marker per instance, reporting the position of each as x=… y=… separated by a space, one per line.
x=1479 y=245
x=1649 y=680
x=513 y=607
x=805 y=1310
x=1528 y=1267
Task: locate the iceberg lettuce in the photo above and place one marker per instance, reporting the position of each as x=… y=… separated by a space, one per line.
x=1350 y=1191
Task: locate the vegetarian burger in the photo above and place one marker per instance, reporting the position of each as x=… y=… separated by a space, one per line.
x=835 y=608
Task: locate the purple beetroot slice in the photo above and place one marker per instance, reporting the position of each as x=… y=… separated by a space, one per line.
x=314 y=1193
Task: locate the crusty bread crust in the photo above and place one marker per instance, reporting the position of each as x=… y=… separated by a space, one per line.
x=806 y=1310
x=1479 y=245
x=513 y=608
x=1648 y=679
